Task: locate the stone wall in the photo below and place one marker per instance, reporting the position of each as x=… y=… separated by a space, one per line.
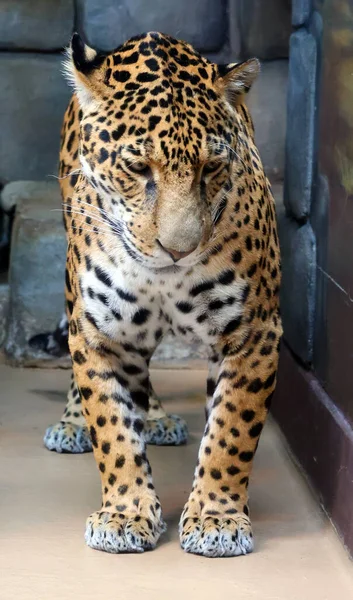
x=33 y=33
x=298 y=224
x=34 y=95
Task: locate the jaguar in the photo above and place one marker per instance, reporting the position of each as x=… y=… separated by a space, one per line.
x=171 y=226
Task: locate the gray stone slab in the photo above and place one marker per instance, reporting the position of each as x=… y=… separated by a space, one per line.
x=108 y=23
x=267 y=103
x=298 y=248
x=301 y=11
x=316 y=26
x=175 y=351
x=265 y=27
x=33 y=98
x=42 y=193
x=4 y=307
x=37 y=266
x=301 y=119
x=35 y=25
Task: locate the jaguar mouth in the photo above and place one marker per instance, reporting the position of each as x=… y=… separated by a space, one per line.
x=150 y=262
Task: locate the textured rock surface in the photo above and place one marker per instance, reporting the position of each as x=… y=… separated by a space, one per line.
x=36 y=270
x=4 y=307
x=299 y=156
x=298 y=249
x=173 y=350
x=46 y=193
x=107 y=24
x=267 y=102
x=33 y=97
x=265 y=27
x=301 y=11
x=35 y=25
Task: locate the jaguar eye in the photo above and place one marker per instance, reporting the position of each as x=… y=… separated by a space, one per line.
x=210 y=167
x=140 y=168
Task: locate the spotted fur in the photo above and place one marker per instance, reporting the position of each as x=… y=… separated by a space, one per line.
x=171 y=226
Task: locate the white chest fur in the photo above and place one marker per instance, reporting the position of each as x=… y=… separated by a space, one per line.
x=131 y=303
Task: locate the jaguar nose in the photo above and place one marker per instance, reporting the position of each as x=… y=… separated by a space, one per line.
x=175 y=254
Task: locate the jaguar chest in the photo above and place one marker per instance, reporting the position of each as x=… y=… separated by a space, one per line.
x=139 y=306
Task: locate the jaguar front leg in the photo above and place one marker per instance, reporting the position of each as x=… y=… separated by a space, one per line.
x=70 y=435
x=114 y=386
x=215 y=520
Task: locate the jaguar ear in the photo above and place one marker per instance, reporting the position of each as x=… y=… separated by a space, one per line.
x=237 y=78
x=82 y=69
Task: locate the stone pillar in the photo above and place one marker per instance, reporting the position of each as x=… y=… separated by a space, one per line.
x=297 y=235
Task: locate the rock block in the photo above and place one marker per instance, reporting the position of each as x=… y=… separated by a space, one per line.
x=265 y=27
x=4 y=307
x=298 y=248
x=37 y=267
x=301 y=11
x=38 y=25
x=108 y=23
x=299 y=154
x=267 y=103
x=33 y=96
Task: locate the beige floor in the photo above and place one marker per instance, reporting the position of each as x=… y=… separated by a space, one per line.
x=46 y=497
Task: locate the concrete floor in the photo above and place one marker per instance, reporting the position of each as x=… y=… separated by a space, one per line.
x=45 y=499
